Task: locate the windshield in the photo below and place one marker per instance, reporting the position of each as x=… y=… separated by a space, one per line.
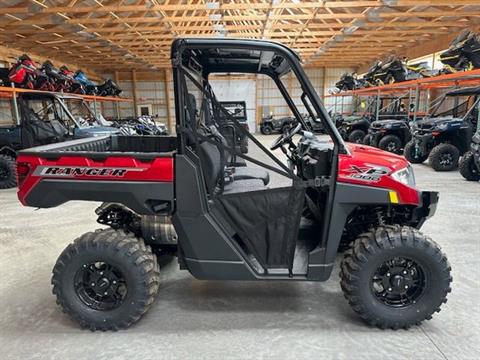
x=80 y=112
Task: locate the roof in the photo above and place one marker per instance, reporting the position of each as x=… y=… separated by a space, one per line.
x=132 y=34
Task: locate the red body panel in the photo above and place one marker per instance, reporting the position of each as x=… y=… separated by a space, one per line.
x=159 y=169
x=369 y=166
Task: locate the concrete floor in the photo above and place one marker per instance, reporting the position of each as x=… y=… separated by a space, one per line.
x=194 y=319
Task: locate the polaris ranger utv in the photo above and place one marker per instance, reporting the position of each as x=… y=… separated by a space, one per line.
x=44 y=118
x=228 y=222
x=470 y=163
x=444 y=137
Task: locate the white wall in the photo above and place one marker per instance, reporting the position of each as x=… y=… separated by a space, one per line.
x=238 y=90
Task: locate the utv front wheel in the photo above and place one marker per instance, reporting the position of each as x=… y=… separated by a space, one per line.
x=106 y=280
x=415 y=156
x=391 y=143
x=8 y=172
x=356 y=136
x=444 y=157
x=395 y=277
x=468 y=169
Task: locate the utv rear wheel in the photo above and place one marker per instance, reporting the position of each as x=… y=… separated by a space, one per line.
x=106 y=280
x=266 y=130
x=467 y=167
x=395 y=277
x=8 y=172
x=356 y=136
x=413 y=155
x=391 y=143
x=444 y=157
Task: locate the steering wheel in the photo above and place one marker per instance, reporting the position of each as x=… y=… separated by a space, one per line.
x=286 y=137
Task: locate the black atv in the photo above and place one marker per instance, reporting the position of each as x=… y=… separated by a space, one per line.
x=443 y=139
x=270 y=124
x=390 y=134
x=470 y=163
x=353 y=128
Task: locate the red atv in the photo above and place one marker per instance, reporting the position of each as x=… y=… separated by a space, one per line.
x=196 y=196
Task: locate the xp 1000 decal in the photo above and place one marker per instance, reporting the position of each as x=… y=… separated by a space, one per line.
x=72 y=171
x=367 y=173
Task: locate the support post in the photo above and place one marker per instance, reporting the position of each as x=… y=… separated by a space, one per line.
x=134 y=92
x=417 y=102
x=117 y=104
x=377 y=106
x=167 y=100
x=15 y=106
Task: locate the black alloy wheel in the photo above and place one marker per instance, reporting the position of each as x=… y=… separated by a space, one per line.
x=100 y=286
x=398 y=282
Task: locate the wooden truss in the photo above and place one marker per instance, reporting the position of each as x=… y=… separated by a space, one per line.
x=136 y=34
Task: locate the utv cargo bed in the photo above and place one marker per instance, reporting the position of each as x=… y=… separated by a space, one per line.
x=136 y=171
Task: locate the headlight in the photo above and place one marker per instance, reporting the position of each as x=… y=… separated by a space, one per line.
x=405 y=176
x=442 y=126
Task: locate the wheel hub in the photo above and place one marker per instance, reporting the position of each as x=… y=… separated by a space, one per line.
x=398 y=282
x=392 y=146
x=446 y=159
x=100 y=286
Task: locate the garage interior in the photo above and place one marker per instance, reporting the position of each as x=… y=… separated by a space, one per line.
x=129 y=42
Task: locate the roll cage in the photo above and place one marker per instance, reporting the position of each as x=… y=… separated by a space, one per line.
x=254 y=57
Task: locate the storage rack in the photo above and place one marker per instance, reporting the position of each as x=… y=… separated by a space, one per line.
x=415 y=87
x=10 y=93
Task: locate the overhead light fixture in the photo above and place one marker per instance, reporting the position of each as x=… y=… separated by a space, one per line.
x=350 y=30
x=215 y=17
x=212 y=5
x=218 y=27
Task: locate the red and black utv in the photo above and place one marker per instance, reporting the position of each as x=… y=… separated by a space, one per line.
x=236 y=216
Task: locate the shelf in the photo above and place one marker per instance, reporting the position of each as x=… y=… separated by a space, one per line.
x=464 y=78
x=7 y=92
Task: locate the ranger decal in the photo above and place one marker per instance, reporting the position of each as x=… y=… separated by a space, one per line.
x=72 y=171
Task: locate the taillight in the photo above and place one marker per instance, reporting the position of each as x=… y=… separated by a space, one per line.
x=23 y=169
x=435 y=133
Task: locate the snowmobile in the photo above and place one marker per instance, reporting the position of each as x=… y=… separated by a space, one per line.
x=462 y=54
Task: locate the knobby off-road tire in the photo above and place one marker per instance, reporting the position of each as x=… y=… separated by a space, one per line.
x=130 y=264
x=444 y=157
x=391 y=143
x=386 y=244
x=367 y=140
x=409 y=153
x=8 y=172
x=467 y=167
x=356 y=136
x=266 y=130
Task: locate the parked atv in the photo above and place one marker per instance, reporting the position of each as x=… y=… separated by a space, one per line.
x=181 y=195
x=443 y=139
x=353 y=128
x=389 y=135
x=470 y=163
x=270 y=124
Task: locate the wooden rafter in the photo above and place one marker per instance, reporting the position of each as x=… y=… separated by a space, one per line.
x=134 y=34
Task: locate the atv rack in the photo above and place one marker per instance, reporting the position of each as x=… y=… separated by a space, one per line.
x=414 y=89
